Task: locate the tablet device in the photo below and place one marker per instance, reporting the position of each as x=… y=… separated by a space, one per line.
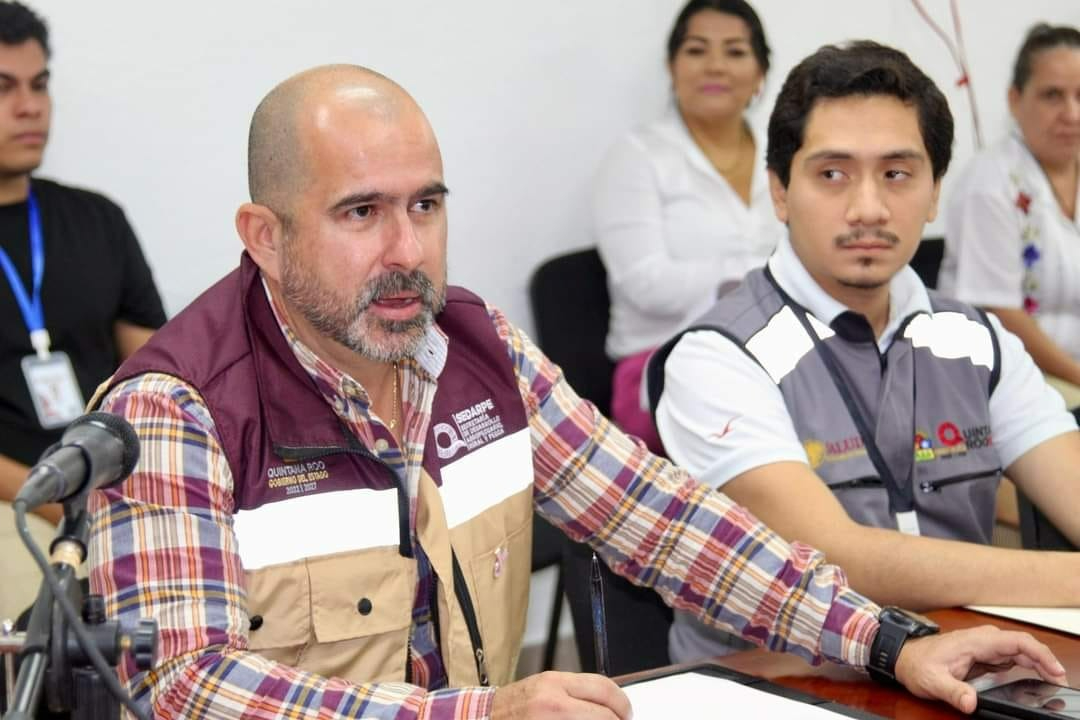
x=1030 y=698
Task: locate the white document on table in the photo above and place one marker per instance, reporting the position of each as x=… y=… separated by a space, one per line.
x=1063 y=619
x=687 y=694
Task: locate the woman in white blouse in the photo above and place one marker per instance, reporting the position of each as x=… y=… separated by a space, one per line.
x=681 y=209
x=1012 y=236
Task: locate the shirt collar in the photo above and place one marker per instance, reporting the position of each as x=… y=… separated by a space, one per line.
x=679 y=133
x=907 y=294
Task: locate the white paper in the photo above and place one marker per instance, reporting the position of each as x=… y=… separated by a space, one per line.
x=686 y=694
x=1063 y=619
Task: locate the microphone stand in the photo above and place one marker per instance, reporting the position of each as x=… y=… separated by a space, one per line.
x=51 y=658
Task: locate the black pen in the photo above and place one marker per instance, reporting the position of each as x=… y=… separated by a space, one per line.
x=599 y=618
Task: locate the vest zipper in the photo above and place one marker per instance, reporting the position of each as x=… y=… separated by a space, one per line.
x=298 y=454
x=869 y=481
x=929 y=486
x=433 y=603
x=461 y=589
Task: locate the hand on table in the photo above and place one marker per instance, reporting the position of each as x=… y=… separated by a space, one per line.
x=555 y=695
x=935 y=666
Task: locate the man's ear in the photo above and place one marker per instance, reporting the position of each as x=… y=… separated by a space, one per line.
x=932 y=215
x=779 y=197
x=262 y=233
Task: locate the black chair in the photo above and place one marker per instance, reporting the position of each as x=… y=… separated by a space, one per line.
x=637 y=619
x=927 y=260
x=565 y=327
x=547 y=550
x=570 y=306
x=1036 y=530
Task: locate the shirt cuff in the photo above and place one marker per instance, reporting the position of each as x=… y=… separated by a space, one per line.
x=472 y=703
x=858 y=637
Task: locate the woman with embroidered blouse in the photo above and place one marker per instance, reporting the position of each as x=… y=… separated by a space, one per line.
x=1012 y=233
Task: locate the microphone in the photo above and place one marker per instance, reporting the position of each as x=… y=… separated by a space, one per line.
x=97 y=450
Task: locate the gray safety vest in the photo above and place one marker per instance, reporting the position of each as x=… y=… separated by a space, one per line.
x=924 y=402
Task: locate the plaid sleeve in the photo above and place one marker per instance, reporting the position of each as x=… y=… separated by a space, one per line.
x=658 y=527
x=162 y=546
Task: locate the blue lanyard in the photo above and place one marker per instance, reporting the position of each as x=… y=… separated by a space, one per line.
x=32 y=310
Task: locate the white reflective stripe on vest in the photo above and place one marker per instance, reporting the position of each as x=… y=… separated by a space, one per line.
x=314 y=525
x=782 y=343
x=333 y=522
x=952 y=335
x=486 y=476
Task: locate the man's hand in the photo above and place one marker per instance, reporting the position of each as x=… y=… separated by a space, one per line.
x=561 y=695
x=935 y=666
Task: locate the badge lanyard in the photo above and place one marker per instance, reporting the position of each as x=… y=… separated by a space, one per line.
x=30 y=305
x=901 y=494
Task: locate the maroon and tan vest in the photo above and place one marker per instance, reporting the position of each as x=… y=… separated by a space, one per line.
x=323 y=526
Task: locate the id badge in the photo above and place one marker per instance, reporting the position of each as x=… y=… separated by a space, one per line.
x=53 y=388
x=908 y=523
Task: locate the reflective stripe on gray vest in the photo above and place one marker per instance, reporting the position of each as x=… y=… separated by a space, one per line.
x=926 y=400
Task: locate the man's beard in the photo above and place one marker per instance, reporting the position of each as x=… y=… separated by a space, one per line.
x=350 y=323
x=854 y=236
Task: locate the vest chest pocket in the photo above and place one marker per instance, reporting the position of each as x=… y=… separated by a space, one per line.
x=279 y=611
x=347 y=614
x=958 y=505
x=361 y=594
x=499 y=568
x=938 y=484
x=866 y=482
x=500 y=576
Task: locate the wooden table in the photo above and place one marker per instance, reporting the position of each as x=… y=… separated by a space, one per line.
x=854 y=689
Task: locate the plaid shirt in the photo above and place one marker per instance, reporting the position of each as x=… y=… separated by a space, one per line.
x=162 y=545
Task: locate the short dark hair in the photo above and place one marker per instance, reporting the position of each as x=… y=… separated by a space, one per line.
x=863 y=68
x=738 y=8
x=1041 y=37
x=19 y=23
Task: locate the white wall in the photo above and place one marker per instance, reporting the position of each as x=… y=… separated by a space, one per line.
x=153 y=100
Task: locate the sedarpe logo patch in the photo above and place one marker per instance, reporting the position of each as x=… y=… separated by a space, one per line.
x=468 y=429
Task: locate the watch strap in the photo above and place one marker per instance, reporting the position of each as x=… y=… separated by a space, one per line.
x=884 y=651
x=896 y=626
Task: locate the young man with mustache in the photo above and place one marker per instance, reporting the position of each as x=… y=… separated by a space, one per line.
x=842 y=402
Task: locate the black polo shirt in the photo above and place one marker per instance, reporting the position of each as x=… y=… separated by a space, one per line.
x=95 y=274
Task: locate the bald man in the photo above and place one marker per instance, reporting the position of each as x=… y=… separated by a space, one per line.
x=341 y=456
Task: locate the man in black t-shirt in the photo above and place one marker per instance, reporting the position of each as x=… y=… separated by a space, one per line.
x=98 y=302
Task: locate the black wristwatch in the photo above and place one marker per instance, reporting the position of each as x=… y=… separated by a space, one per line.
x=897 y=625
